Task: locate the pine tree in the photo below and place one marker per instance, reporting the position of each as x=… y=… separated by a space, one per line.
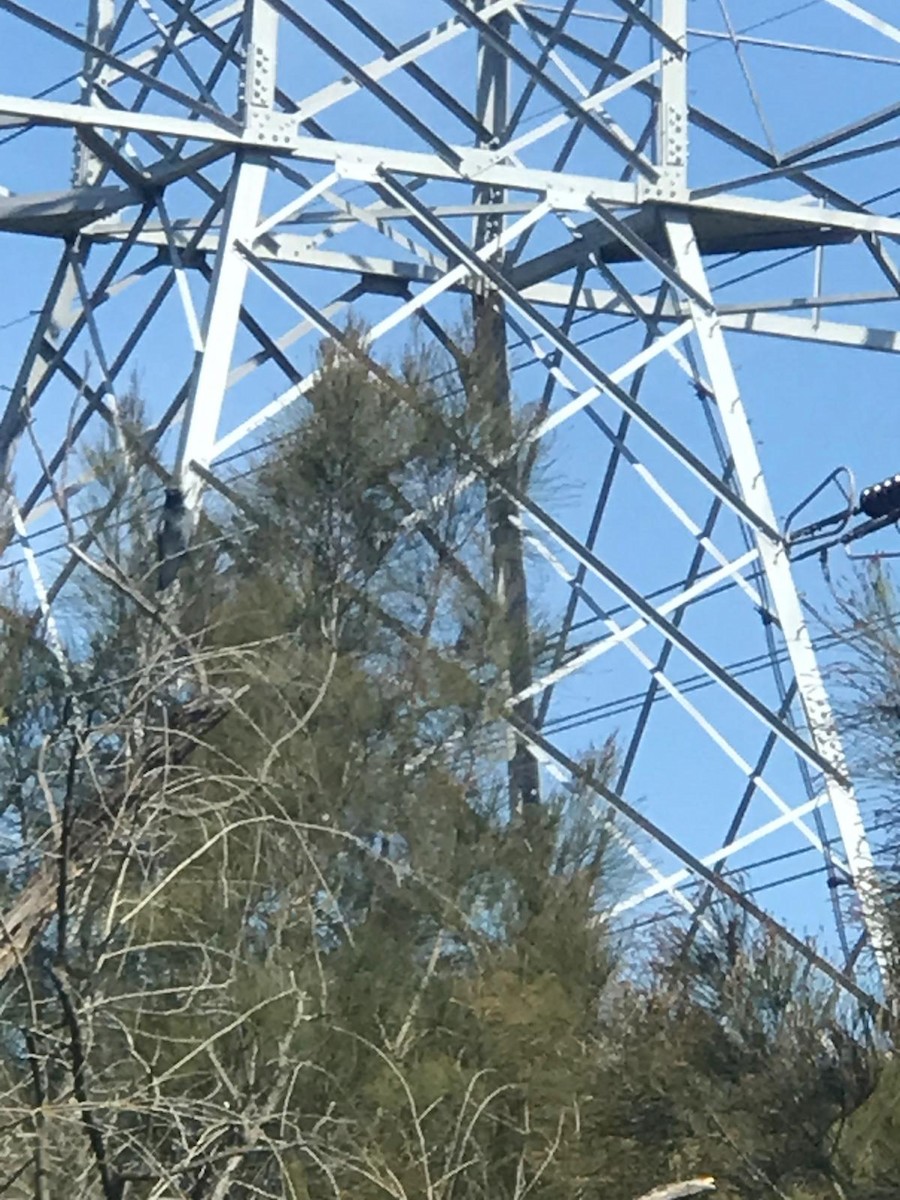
x=271 y=929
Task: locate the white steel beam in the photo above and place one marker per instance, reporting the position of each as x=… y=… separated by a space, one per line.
x=625 y=637
x=672 y=128
x=800 y=212
x=101 y=19
x=619 y=634
x=733 y=847
x=544 y=749
x=184 y=37
x=879 y=24
x=770 y=324
x=200 y=426
x=773 y=554
x=380 y=68
x=756 y=317
x=57 y=112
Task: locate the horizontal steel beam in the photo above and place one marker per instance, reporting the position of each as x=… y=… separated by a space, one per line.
x=771 y=324
x=27 y=111
x=717 y=232
x=355 y=160
x=396 y=275
x=63 y=213
x=59 y=214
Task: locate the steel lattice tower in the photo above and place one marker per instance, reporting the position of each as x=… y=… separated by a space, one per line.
x=247 y=171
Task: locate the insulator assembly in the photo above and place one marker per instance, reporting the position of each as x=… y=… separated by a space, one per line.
x=881 y=499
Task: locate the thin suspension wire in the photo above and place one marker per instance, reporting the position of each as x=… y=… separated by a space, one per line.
x=621 y=706
x=726 y=283
x=735 y=38
x=606 y=332
x=609 y=18
x=439 y=376
x=75 y=77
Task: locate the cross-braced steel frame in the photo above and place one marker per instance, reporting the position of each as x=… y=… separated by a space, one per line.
x=247 y=171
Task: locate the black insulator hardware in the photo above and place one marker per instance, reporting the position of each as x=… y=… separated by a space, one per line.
x=881 y=499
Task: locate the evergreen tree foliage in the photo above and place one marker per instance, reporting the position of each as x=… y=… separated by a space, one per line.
x=270 y=926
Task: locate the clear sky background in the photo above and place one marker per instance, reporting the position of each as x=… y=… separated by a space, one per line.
x=812 y=408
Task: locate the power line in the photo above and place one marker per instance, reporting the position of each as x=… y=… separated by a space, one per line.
x=745 y=869
x=151 y=36
x=277 y=438
x=531 y=361
x=695 y=682
x=570 y=721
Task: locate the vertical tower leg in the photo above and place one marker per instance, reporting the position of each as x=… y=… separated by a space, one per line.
x=223 y=306
x=774 y=559
x=510 y=582
x=672 y=155
x=219 y=326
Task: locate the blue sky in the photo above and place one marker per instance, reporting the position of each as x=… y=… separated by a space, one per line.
x=812 y=408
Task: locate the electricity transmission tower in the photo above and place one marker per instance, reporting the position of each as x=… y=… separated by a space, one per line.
x=579 y=173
